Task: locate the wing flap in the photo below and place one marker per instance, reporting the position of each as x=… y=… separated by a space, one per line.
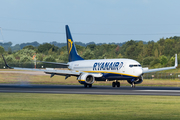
x=63 y=72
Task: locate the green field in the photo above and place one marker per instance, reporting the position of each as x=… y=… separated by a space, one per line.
x=28 y=106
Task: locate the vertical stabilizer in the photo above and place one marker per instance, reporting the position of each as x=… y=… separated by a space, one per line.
x=72 y=53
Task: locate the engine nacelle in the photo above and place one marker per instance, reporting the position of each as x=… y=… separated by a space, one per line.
x=86 y=78
x=138 y=81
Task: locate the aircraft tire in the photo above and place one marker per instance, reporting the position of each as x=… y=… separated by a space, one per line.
x=113 y=84
x=118 y=84
x=85 y=85
x=90 y=85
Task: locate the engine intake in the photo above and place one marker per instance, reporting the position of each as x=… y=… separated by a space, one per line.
x=86 y=78
x=89 y=79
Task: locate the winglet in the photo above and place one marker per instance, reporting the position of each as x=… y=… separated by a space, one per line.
x=6 y=63
x=176 y=61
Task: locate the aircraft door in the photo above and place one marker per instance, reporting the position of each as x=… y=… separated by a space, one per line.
x=123 y=68
x=71 y=66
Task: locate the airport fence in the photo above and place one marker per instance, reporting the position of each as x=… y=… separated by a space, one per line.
x=161 y=75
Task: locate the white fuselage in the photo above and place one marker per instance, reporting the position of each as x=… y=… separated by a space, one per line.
x=123 y=67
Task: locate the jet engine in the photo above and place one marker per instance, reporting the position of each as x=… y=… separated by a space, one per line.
x=138 y=81
x=86 y=78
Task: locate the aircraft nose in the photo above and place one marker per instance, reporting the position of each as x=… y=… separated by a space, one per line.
x=139 y=71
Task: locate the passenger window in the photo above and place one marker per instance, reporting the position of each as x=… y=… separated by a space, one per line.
x=134 y=65
x=130 y=65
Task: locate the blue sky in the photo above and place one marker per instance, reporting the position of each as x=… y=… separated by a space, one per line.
x=99 y=21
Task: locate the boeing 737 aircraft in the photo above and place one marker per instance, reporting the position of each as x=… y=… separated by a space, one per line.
x=88 y=71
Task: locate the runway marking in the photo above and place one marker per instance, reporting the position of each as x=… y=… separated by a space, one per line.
x=159 y=90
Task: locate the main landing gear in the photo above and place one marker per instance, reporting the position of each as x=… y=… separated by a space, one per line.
x=114 y=84
x=86 y=85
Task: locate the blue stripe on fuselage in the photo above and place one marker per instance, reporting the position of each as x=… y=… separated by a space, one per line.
x=111 y=76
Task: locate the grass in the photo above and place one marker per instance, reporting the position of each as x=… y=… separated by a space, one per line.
x=29 y=106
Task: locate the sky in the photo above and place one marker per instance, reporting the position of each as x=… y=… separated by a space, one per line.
x=99 y=21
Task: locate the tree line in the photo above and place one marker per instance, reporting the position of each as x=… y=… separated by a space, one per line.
x=151 y=54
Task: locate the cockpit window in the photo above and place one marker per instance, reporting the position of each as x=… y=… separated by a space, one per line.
x=134 y=65
x=130 y=65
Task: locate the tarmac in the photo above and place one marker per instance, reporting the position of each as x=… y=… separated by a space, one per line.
x=79 y=89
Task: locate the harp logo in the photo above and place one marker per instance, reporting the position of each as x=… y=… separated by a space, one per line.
x=70 y=42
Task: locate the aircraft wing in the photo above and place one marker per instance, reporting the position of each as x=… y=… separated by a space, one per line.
x=51 y=71
x=146 y=70
x=64 y=64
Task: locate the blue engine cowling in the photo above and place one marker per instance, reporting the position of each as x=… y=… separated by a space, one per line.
x=86 y=78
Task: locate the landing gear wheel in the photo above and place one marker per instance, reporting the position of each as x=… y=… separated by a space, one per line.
x=113 y=84
x=90 y=86
x=118 y=84
x=85 y=85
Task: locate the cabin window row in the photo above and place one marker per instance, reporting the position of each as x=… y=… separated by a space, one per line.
x=134 y=65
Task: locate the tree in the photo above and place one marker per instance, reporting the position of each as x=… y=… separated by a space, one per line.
x=25 y=59
x=46 y=47
x=39 y=57
x=63 y=57
x=155 y=62
x=9 y=50
x=169 y=47
x=30 y=47
x=10 y=59
x=49 y=59
x=150 y=49
x=163 y=60
x=1 y=50
x=25 y=52
x=156 y=53
x=91 y=46
x=88 y=54
x=147 y=60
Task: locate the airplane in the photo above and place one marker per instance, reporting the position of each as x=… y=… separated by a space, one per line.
x=89 y=71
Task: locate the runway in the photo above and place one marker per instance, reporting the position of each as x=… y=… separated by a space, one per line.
x=79 y=89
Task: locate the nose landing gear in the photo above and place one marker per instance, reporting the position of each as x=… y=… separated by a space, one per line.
x=133 y=85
